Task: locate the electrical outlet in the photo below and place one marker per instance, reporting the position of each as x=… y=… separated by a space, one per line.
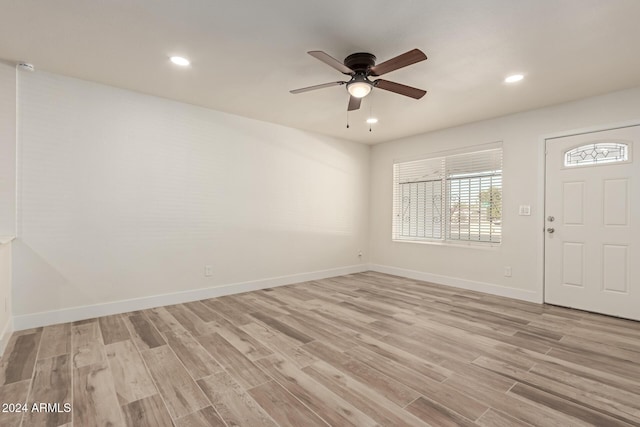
x=208 y=270
x=507 y=272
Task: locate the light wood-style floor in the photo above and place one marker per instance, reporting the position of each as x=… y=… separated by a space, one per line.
x=365 y=349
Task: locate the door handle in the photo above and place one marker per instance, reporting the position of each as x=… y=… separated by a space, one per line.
x=550 y=230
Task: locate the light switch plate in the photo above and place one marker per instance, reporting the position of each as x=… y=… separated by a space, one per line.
x=524 y=210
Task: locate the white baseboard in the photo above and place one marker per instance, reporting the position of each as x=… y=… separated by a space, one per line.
x=455 y=282
x=73 y=314
x=5 y=335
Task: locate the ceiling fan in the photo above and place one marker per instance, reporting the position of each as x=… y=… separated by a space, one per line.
x=361 y=66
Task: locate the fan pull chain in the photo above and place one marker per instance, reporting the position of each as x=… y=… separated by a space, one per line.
x=370 y=110
x=347 y=119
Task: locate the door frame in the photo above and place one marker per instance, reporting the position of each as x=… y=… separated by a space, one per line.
x=542 y=188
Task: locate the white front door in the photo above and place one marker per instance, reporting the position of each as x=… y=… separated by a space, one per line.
x=592 y=215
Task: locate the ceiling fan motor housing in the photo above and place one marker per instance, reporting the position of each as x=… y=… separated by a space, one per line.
x=359 y=86
x=360 y=62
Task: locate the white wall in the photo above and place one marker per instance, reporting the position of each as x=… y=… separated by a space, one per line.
x=6 y=324
x=7 y=149
x=123 y=196
x=7 y=191
x=522 y=236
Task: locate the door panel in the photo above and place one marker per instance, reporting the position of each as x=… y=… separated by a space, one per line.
x=573 y=203
x=616 y=198
x=592 y=210
x=614 y=264
x=572 y=264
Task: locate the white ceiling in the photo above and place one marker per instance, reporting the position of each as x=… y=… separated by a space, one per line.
x=247 y=55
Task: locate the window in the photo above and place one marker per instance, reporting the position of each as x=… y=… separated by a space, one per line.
x=592 y=154
x=454 y=198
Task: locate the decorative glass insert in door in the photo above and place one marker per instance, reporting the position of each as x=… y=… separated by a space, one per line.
x=597 y=153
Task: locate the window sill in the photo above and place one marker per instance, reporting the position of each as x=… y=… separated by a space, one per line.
x=469 y=245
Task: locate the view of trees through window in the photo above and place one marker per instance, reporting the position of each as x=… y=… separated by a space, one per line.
x=475 y=208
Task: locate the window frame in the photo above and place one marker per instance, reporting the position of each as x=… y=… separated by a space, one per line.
x=446 y=177
x=597 y=163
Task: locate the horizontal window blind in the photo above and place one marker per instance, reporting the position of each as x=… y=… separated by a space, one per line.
x=417 y=200
x=475 y=162
x=474 y=196
x=457 y=198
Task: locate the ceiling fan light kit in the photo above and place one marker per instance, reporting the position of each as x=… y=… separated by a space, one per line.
x=359 y=87
x=360 y=66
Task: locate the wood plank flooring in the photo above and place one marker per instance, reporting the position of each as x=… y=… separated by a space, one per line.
x=365 y=349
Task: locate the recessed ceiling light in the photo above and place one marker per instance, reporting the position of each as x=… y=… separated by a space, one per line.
x=514 y=78
x=179 y=60
x=372 y=120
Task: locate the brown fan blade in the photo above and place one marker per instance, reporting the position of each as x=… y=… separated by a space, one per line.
x=408 y=58
x=331 y=61
x=409 y=91
x=354 y=103
x=307 y=89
